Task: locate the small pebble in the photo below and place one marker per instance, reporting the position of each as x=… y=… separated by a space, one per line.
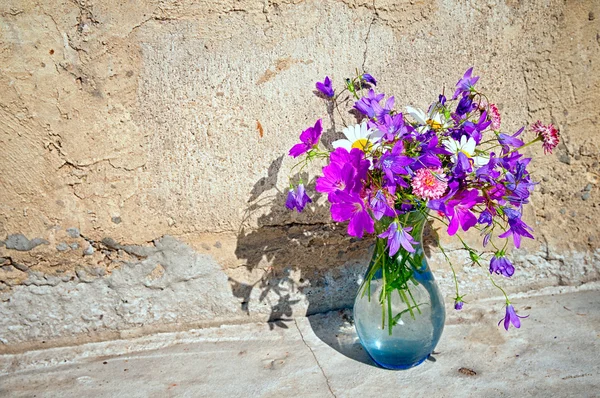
x=88 y=251
x=62 y=246
x=116 y=220
x=73 y=232
x=588 y=187
x=585 y=196
x=74 y=245
x=564 y=158
x=591 y=16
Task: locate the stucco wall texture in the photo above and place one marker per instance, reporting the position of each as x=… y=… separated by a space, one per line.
x=138 y=194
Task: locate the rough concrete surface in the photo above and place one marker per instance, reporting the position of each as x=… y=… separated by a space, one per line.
x=125 y=122
x=554 y=354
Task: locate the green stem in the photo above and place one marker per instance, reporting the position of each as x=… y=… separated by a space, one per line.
x=452 y=268
x=502 y=290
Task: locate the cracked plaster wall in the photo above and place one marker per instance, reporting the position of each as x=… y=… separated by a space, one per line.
x=144 y=197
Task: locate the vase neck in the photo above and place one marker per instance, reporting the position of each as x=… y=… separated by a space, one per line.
x=414 y=219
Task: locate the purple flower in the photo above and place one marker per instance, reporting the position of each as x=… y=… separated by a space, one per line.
x=392 y=162
x=458 y=210
x=501 y=265
x=355 y=157
x=398 y=236
x=465 y=105
x=517 y=227
x=511 y=317
x=465 y=84
x=485 y=218
x=309 y=137
x=326 y=87
x=486 y=172
x=510 y=140
x=462 y=166
x=394 y=127
x=369 y=105
x=337 y=178
x=458 y=304
x=474 y=129
x=297 y=198
x=380 y=206
x=369 y=79
x=351 y=207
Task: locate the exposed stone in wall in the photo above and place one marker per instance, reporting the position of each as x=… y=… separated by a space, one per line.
x=136 y=120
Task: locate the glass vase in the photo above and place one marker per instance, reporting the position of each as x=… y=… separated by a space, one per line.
x=399 y=311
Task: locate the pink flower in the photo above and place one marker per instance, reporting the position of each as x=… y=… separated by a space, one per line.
x=429 y=183
x=549 y=135
x=494 y=115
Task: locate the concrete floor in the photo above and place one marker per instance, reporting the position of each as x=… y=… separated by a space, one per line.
x=556 y=353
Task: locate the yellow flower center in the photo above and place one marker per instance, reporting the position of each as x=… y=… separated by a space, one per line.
x=467 y=154
x=363 y=144
x=433 y=124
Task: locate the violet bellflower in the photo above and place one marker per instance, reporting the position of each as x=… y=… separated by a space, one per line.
x=369 y=79
x=511 y=317
x=394 y=127
x=396 y=236
x=517 y=228
x=309 y=138
x=326 y=87
x=474 y=129
x=510 y=140
x=465 y=105
x=380 y=205
x=369 y=105
x=501 y=265
x=487 y=172
x=297 y=198
x=519 y=186
x=465 y=84
x=351 y=207
x=485 y=218
x=392 y=162
x=458 y=304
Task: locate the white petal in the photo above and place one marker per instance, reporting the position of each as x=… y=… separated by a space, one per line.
x=469 y=147
x=418 y=114
x=374 y=135
x=342 y=144
x=349 y=133
x=480 y=160
x=363 y=129
x=463 y=142
x=451 y=145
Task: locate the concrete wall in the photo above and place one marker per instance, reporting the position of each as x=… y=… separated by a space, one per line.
x=138 y=194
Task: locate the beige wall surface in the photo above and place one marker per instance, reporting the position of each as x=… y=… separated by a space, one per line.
x=139 y=195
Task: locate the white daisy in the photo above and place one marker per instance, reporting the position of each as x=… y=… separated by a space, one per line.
x=466 y=146
x=434 y=119
x=360 y=137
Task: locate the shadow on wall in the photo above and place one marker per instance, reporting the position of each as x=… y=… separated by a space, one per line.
x=301 y=262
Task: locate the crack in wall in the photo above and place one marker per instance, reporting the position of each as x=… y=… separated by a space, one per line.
x=375 y=17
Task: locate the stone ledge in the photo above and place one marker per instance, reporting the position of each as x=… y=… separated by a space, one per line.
x=553 y=354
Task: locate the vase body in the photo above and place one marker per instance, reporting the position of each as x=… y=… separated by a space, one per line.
x=399 y=310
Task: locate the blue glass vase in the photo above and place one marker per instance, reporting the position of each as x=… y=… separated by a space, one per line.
x=399 y=310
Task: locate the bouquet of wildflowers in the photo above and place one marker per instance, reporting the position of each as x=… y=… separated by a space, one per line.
x=452 y=163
